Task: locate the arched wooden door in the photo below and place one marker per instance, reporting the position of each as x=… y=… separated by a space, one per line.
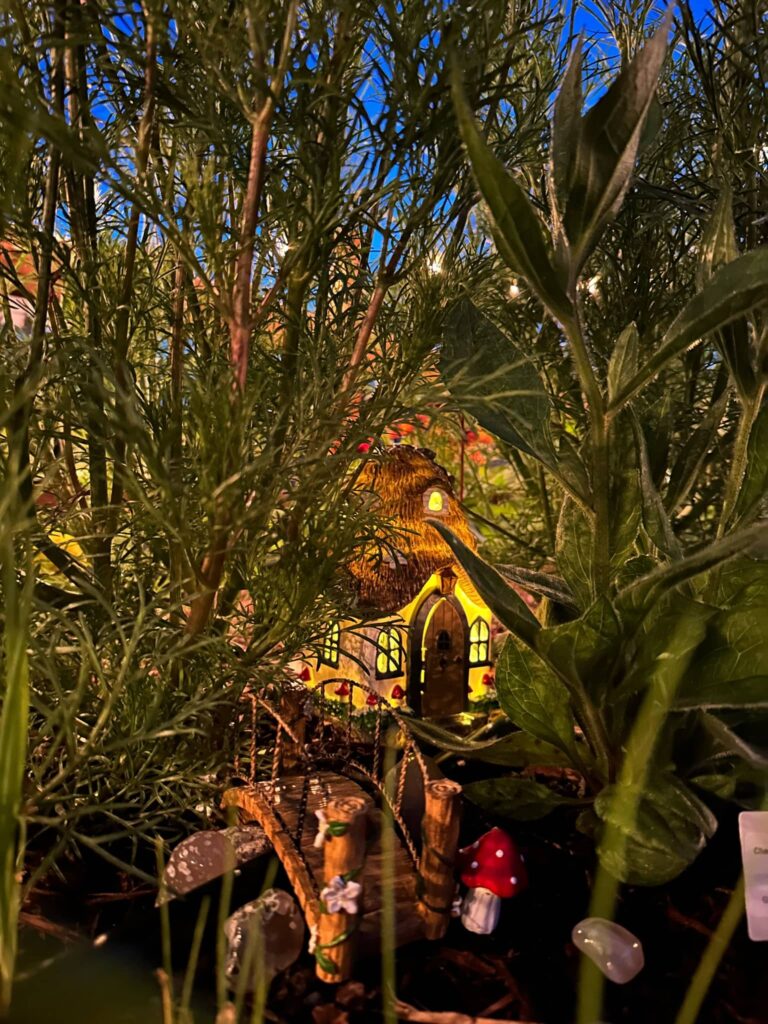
x=440 y=668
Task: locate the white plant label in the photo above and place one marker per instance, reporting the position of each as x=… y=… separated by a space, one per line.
x=753 y=830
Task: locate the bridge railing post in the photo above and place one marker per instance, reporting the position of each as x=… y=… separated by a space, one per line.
x=344 y=858
x=439 y=842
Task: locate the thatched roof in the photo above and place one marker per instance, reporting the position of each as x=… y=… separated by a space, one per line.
x=391 y=571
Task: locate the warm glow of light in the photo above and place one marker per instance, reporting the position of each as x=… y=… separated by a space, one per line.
x=435 y=265
x=593 y=286
x=435 y=502
x=514 y=290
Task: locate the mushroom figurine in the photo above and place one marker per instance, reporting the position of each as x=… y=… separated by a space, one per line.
x=493 y=870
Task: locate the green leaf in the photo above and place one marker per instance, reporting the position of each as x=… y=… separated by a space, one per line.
x=593 y=159
x=731 y=666
x=444 y=739
x=718 y=247
x=665 y=647
x=520 y=799
x=744 y=692
x=735 y=346
x=624 y=491
x=723 y=786
x=544 y=584
x=650 y=588
x=634 y=569
x=508 y=607
x=325 y=963
x=718 y=239
x=654 y=515
x=574 y=546
x=657 y=830
x=533 y=696
x=586 y=647
x=622 y=365
x=754 y=487
x=519 y=234
x=733 y=291
x=727 y=735
x=494 y=382
x=566 y=126
x=690 y=459
x=520 y=749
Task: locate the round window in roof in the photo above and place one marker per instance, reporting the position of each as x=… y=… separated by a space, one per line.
x=435 y=501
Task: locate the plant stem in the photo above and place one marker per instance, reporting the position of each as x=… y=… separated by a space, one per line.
x=713 y=954
x=600 y=450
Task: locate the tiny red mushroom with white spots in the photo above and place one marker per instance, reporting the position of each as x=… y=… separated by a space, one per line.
x=493 y=870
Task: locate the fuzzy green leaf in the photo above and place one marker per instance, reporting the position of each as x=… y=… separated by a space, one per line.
x=731 y=666
x=718 y=247
x=586 y=647
x=733 y=291
x=594 y=159
x=518 y=231
x=623 y=363
x=754 y=487
x=728 y=736
x=520 y=749
x=691 y=456
x=666 y=578
x=533 y=696
x=544 y=584
x=519 y=799
x=573 y=550
x=661 y=828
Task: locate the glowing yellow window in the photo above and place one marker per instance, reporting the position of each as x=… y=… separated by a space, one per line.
x=329 y=652
x=389 y=653
x=435 y=501
x=479 y=642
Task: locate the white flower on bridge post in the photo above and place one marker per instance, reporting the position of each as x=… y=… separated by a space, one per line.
x=341 y=897
x=322 y=828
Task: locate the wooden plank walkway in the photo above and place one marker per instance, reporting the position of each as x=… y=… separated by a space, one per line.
x=305 y=873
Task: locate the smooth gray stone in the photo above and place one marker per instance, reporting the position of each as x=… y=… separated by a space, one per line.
x=616 y=951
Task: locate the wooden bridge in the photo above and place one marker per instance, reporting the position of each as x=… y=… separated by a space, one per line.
x=324 y=777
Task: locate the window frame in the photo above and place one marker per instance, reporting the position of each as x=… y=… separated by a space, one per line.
x=397 y=649
x=482 y=643
x=330 y=649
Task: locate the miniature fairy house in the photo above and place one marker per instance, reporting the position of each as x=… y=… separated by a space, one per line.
x=426 y=637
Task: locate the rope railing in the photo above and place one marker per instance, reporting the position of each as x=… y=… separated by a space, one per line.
x=298 y=743
x=323 y=748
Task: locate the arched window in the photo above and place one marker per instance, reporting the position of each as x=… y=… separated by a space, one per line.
x=435 y=501
x=329 y=652
x=389 y=653
x=479 y=643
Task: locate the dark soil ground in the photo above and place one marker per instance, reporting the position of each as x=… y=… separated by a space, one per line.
x=526 y=971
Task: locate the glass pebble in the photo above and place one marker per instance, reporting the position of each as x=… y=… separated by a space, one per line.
x=616 y=951
x=274 y=928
